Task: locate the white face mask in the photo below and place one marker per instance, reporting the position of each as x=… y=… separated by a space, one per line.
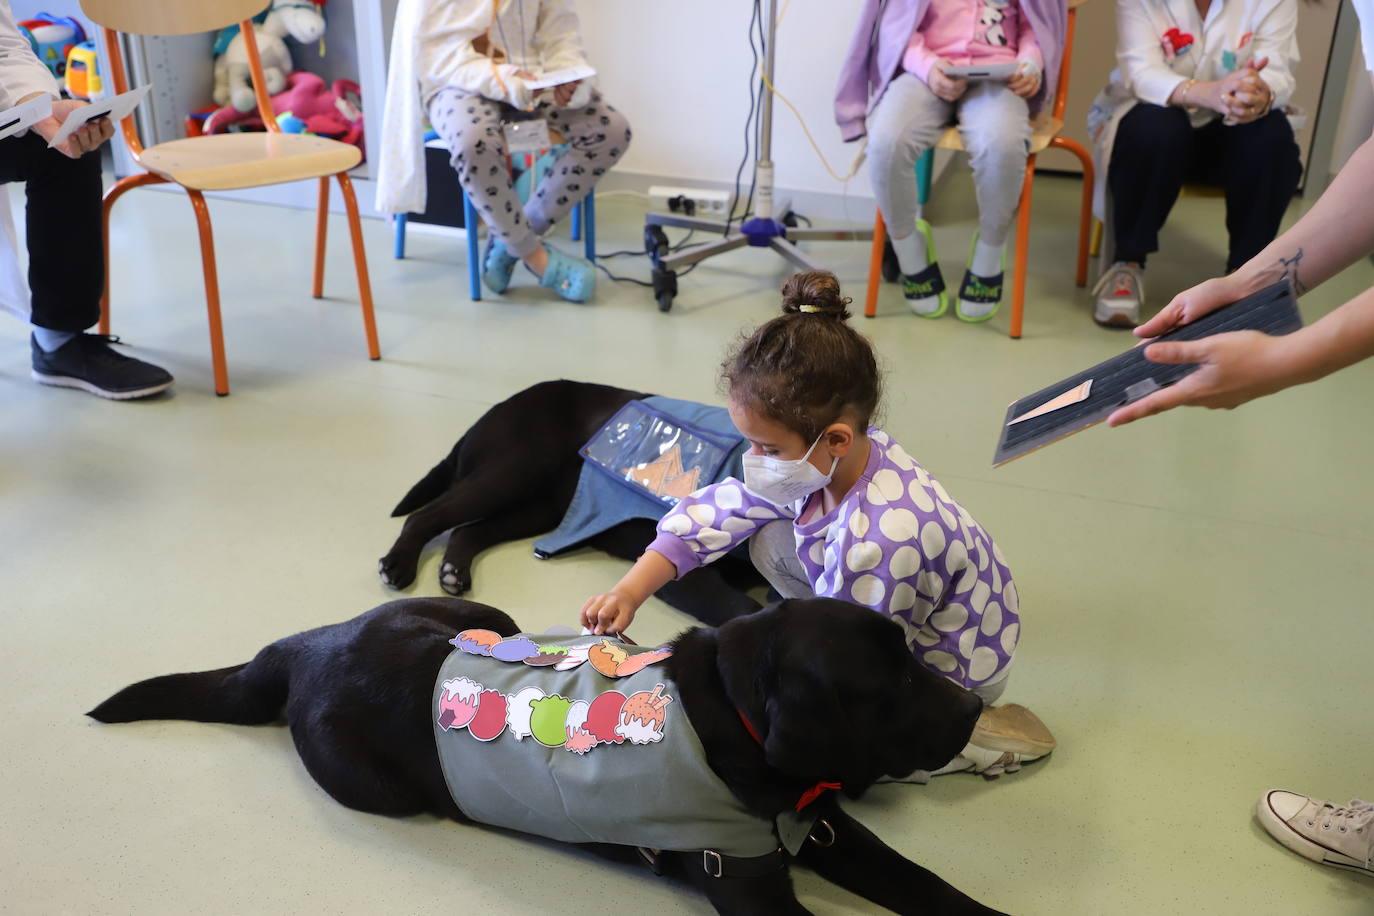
x=783 y=482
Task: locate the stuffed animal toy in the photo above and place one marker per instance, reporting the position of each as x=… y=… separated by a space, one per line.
x=302 y=20
x=305 y=105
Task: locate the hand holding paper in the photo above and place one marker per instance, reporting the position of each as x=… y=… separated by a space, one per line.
x=71 y=131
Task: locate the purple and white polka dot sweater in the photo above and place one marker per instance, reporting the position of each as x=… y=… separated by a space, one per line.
x=896 y=543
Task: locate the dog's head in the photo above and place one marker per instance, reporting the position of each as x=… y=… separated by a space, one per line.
x=836 y=695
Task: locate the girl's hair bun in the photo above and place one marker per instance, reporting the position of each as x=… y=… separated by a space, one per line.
x=815 y=293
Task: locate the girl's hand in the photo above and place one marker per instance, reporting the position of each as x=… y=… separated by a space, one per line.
x=611 y=612
x=1025 y=82
x=946 y=87
x=563 y=93
x=1233 y=368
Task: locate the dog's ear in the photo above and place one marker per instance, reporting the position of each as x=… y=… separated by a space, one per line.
x=785 y=685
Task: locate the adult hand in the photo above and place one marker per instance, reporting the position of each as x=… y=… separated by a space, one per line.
x=1025 y=82
x=1233 y=368
x=563 y=93
x=611 y=612
x=1190 y=305
x=944 y=86
x=1243 y=94
x=84 y=139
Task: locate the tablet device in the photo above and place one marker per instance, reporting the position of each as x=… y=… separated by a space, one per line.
x=982 y=71
x=559 y=77
x=1089 y=397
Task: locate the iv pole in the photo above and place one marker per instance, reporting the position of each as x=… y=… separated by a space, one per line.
x=763 y=230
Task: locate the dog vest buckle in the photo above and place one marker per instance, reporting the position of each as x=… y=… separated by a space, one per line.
x=712 y=863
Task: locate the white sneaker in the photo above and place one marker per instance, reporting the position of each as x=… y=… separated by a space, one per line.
x=1120 y=293
x=1342 y=836
x=986 y=762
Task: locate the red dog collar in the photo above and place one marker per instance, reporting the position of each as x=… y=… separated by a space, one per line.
x=810 y=794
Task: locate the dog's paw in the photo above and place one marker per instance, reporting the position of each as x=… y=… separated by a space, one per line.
x=394 y=573
x=453 y=580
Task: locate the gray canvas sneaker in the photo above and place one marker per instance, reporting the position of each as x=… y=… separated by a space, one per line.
x=1339 y=835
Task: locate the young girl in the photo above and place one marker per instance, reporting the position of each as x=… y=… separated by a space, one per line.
x=898 y=86
x=468 y=65
x=834 y=507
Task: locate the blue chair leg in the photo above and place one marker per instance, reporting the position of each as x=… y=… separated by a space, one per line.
x=400 y=220
x=589 y=225
x=471 y=222
x=924 y=166
x=576 y=221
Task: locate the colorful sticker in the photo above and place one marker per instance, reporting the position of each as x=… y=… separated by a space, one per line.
x=554 y=720
x=519 y=709
x=664 y=475
x=490 y=720
x=642 y=717
x=458 y=704
x=608 y=656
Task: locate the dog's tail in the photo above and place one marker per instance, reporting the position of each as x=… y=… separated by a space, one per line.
x=431 y=485
x=248 y=694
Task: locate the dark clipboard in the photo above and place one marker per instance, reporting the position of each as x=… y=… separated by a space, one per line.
x=1090 y=396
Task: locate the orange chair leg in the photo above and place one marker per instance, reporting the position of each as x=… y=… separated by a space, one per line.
x=321 y=226
x=1018 y=276
x=875 y=265
x=1085 y=217
x=207 y=262
x=355 y=229
x=116 y=191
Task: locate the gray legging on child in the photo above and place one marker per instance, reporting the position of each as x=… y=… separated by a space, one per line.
x=994 y=125
x=773 y=551
x=597 y=136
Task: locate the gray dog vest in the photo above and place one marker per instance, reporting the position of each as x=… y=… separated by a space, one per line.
x=583 y=739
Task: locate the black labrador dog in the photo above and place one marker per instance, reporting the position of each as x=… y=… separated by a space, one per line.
x=831 y=687
x=512 y=476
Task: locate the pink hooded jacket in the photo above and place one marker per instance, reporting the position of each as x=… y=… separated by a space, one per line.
x=881 y=38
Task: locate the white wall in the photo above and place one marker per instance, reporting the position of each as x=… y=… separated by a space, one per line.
x=679 y=72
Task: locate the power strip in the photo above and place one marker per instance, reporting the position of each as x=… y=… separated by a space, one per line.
x=706 y=201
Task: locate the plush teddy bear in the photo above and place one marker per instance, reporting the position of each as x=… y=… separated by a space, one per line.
x=302 y=20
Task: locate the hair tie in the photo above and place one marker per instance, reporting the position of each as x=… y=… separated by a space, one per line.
x=808 y=308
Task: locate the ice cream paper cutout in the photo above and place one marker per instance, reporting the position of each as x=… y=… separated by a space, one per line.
x=1074 y=395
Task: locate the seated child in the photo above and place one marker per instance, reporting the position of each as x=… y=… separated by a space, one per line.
x=835 y=508
x=897 y=79
x=467 y=64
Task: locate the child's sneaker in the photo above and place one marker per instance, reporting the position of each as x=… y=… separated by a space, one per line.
x=1120 y=293
x=979 y=297
x=572 y=278
x=1012 y=727
x=497 y=266
x=1337 y=835
x=925 y=290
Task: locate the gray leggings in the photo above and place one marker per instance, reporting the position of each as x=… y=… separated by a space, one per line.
x=994 y=125
x=597 y=136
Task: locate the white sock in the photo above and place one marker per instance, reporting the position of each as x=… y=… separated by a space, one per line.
x=987 y=259
x=911 y=253
x=49 y=340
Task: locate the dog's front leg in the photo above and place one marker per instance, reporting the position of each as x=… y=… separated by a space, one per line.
x=847 y=853
x=763 y=894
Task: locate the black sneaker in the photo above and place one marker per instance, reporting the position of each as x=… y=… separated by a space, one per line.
x=87 y=361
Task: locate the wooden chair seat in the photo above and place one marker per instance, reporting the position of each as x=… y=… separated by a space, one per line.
x=223 y=162
x=1043 y=130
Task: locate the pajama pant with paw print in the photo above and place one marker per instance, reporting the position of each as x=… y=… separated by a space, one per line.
x=597 y=136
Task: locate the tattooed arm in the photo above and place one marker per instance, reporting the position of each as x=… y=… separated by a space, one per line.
x=1238 y=367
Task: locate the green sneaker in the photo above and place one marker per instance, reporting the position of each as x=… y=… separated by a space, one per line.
x=927 y=284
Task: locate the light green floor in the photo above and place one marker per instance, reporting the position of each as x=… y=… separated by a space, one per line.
x=1196 y=589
